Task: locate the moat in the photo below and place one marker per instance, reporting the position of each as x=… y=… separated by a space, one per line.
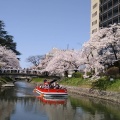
x=21 y=103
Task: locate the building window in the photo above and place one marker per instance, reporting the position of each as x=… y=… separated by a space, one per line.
x=94 y=22
x=104 y=25
x=101 y=10
x=115 y=11
x=102 y=1
x=110 y=14
x=109 y=22
x=119 y=8
x=105 y=7
x=115 y=2
x=110 y=4
x=115 y=20
x=95 y=30
x=94 y=14
x=119 y=20
x=101 y=19
x=95 y=5
x=104 y=16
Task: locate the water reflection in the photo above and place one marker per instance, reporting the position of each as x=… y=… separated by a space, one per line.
x=23 y=89
x=94 y=109
x=52 y=100
x=20 y=103
x=21 y=109
x=55 y=110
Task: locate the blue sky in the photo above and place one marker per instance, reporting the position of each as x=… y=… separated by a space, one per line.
x=40 y=25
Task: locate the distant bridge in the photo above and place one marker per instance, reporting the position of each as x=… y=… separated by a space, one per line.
x=20 y=73
x=23 y=73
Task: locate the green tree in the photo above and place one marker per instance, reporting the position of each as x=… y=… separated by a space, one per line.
x=7 y=40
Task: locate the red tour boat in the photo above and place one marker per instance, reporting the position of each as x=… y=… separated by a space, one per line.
x=48 y=89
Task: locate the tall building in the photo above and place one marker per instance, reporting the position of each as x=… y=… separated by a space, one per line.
x=94 y=16
x=104 y=13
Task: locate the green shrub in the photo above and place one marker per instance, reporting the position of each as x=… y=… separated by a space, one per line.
x=91 y=73
x=117 y=76
x=77 y=75
x=102 y=83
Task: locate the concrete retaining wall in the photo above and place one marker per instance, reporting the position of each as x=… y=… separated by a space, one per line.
x=107 y=95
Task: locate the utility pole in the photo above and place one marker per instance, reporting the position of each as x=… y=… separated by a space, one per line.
x=67 y=46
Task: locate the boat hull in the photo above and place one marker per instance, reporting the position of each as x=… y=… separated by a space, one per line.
x=51 y=92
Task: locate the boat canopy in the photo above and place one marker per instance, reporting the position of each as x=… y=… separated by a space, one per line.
x=54 y=80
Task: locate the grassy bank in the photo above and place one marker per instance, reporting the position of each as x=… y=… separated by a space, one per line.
x=37 y=80
x=101 y=84
x=80 y=82
x=4 y=80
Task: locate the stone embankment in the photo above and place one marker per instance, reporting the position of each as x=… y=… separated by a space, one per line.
x=106 y=95
x=8 y=85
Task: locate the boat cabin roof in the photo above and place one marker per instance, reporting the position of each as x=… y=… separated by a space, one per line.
x=54 y=80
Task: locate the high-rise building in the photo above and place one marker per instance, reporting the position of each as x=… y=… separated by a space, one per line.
x=104 y=13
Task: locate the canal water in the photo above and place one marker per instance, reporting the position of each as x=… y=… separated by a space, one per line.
x=21 y=103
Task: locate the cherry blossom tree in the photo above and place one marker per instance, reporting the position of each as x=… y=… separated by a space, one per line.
x=59 y=61
x=8 y=58
x=102 y=49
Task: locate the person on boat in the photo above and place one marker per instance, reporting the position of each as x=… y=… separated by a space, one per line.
x=57 y=86
x=40 y=86
x=46 y=84
x=51 y=86
x=45 y=81
x=54 y=84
